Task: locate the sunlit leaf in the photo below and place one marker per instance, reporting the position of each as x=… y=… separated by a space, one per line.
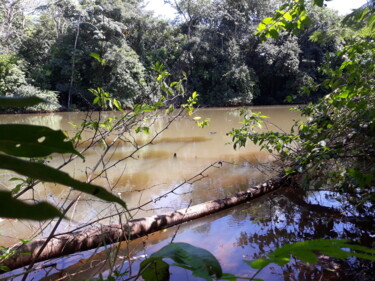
x=48 y=174
x=14 y=208
x=288 y=16
x=261 y=26
x=33 y=141
x=98 y=58
x=268 y=20
x=95 y=56
x=117 y=104
x=170 y=109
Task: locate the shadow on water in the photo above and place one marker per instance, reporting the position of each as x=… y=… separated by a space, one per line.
x=246 y=232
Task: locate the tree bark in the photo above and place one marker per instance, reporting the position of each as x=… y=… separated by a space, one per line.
x=94 y=237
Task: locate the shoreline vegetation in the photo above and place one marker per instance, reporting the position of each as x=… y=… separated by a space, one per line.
x=105 y=54
x=65 y=49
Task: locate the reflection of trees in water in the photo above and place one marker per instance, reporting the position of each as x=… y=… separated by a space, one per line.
x=287 y=217
x=205 y=228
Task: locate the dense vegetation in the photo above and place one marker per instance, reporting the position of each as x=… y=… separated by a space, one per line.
x=46 y=51
x=54 y=53
x=334 y=147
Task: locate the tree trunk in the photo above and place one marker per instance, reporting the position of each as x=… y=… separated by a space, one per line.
x=94 y=237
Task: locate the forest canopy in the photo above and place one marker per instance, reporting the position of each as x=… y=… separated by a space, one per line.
x=90 y=54
x=46 y=47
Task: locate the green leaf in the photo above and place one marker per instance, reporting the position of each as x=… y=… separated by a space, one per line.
x=259 y=263
x=117 y=104
x=201 y=262
x=33 y=141
x=154 y=269
x=307 y=251
x=48 y=174
x=318 y=2
x=267 y=21
x=261 y=27
x=4 y=268
x=305 y=20
x=288 y=16
x=25 y=241
x=98 y=58
x=146 y=130
x=20 y=102
x=95 y=56
x=14 y=208
x=274 y=33
x=170 y=109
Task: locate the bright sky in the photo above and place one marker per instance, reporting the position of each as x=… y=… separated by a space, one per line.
x=345 y=6
x=160 y=9
x=342 y=6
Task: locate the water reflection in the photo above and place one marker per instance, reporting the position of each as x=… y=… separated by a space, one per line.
x=151 y=172
x=247 y=232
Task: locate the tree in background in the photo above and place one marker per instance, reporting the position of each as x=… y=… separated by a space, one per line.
x=334 y=147
x=212 y=42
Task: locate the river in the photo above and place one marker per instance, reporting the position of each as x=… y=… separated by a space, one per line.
x=176 y=159
x=178 y=154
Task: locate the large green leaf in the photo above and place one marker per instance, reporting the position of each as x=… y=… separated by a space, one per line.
x=200 y=261
x=154 y=269
x=20 y=102
x=48 y=174
x=307 y=251
x=33 y=141
x=13 y=208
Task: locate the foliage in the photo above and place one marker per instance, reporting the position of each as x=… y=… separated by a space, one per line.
x=13 y=208
x=334 y=147
x=307 y=251
x=20 y=102
x=291 y=16
x=33 y=141
x=11 y=74
x=12 y=24
x=13 y=83
x=32 y=91
x=47 y=174
x=203 y=264
x=213 y=42
x=199 y=261
x=36 y=141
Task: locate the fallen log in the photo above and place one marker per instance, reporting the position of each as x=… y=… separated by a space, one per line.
x=97 y=236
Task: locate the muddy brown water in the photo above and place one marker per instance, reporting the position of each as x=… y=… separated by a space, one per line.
x=177 y=155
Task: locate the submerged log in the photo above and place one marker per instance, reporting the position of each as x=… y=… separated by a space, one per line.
x=98 y=236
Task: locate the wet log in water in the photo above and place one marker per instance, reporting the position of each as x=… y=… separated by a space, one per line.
x=94 y=237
